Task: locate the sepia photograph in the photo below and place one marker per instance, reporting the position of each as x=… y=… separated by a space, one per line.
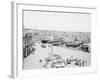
x=56 y=39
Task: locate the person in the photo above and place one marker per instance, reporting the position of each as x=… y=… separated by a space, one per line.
x=40 y=60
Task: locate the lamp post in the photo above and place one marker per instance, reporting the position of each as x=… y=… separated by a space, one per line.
x=51 y=46
x=51 y=49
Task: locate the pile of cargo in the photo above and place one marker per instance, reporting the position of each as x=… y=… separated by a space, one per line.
x=56 y=61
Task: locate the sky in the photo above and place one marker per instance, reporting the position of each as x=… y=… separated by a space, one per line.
x=75 y=22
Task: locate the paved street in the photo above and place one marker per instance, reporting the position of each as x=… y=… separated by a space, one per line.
x=33 y=60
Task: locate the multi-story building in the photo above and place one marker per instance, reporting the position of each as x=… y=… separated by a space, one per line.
x=27 y=43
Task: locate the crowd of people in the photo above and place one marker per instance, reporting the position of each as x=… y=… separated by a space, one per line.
x=56 y=61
